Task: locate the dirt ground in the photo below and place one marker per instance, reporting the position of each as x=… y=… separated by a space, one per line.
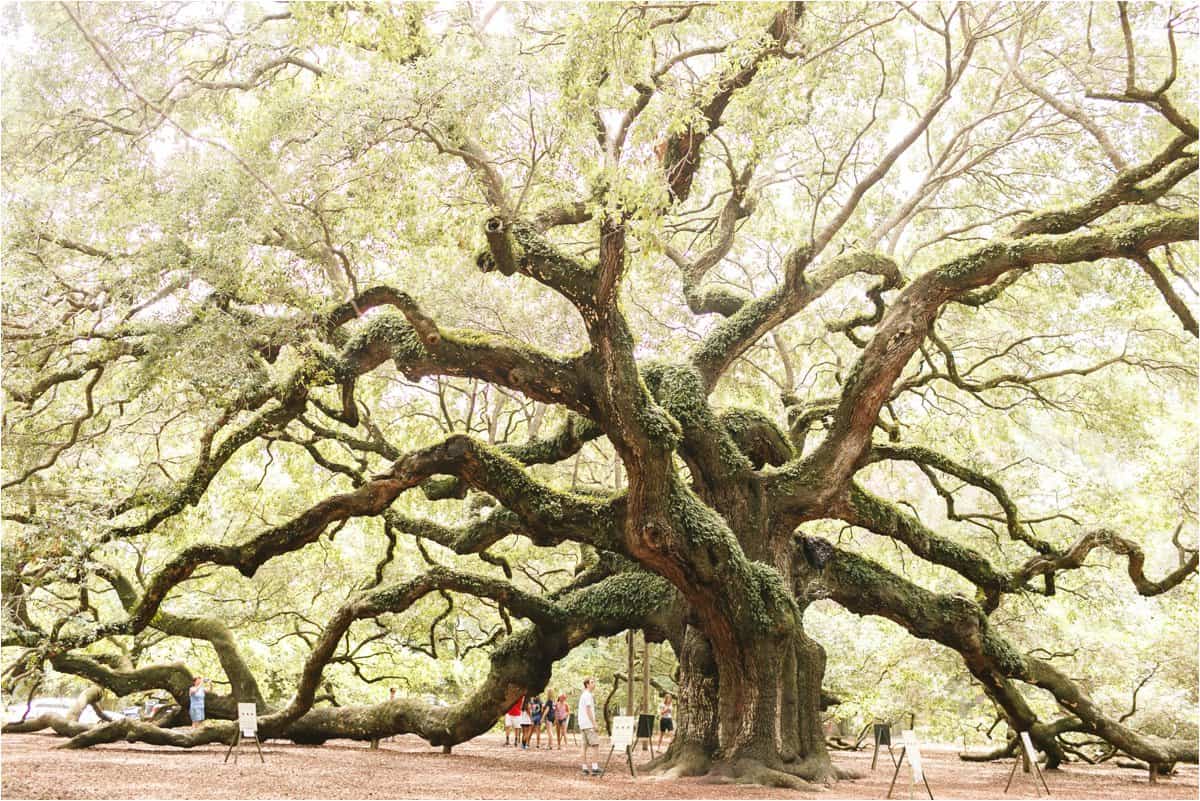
x=483 y=768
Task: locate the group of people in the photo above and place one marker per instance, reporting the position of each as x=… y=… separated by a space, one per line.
x=529 y=717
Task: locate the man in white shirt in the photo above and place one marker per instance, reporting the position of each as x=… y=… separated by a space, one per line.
x=587 y=727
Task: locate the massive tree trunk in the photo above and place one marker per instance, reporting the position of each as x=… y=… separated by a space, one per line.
x=750 y=675
x=756 y=719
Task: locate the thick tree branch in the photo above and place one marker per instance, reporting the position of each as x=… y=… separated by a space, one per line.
x=909 y=321
x=1073 y=557
x=734 y=336
x=864 y=587
x=1163 y=284
x=931 y=458
x=681 y=152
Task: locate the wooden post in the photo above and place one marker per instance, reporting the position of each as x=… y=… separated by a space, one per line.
x=629 y=673
x=646 y=710
x=645 y=675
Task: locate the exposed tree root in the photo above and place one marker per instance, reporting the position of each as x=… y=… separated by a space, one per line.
x=755 y=771
x=690 y=760
x=681 y=760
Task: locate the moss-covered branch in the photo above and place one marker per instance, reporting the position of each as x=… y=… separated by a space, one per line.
x=243 y=684
x=1050 y=563
x=734 y=336
x=563 y=442
x=368 y=500
x=519 y=247
x=931 y=458
x=1156 y=177
x=520 y=664
x=866 y=588
x=681 y=151
x=910 y=319
x=861 y=508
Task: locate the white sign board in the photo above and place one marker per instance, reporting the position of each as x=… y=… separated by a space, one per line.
x=622 y=730
x=913 y=750
x=1030 y=754
x=248 y=720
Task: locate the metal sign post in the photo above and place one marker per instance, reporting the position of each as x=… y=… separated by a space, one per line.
x=1029 y=757
x=247 y=727
x=911 y=749
x=622 y=737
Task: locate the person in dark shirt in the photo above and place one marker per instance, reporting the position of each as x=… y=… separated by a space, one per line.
x=535 y=717
x=548 y=720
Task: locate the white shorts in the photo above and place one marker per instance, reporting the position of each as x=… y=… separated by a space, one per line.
x=511 y=721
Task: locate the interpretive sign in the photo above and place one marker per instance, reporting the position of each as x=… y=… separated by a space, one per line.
x=909 y=738
x=645 y=731
x=247 y=728
x=624 y=728
x=248 y=719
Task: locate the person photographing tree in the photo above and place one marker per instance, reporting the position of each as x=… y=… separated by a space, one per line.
x=587 y=727
x=196 y=701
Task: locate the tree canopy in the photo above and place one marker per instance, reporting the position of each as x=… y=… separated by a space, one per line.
x=427 y=344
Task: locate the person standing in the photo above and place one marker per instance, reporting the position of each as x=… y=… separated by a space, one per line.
x=512 y=721
x=587 y=727
x=526 y=722
x=562 y=714
x=535 y=715
x=548 y=720
x=196 y=701
x=391 y=697
x=666 y=722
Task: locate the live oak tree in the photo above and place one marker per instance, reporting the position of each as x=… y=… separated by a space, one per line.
x=749 y=255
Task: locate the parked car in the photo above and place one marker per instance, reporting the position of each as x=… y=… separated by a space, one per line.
x=54 y=706
x=38 y=706
x=151 y=707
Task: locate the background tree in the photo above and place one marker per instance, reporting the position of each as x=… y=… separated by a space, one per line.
x=337 y=329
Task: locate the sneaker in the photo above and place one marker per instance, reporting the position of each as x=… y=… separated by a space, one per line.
x=586 y=772
x=598 y=772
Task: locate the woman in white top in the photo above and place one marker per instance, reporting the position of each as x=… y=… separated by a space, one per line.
x=666 y=718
